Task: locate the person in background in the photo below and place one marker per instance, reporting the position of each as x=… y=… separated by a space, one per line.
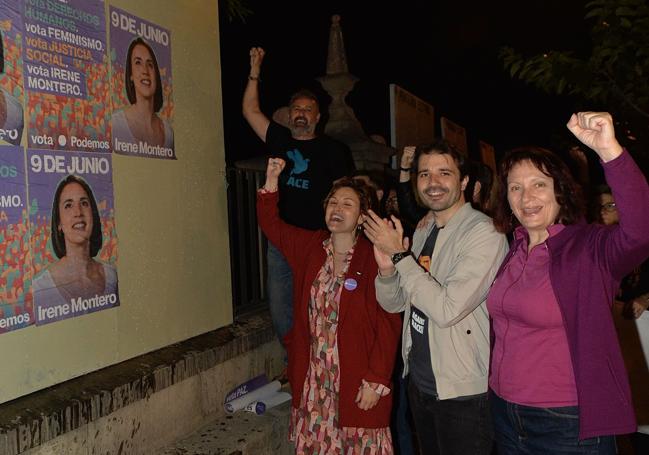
x=478 y=190
x=390 y=202
x=342 y=346
x=634 y=289
x=557 y=377
x=314 y=163
x=372 y=178
x=409 y=209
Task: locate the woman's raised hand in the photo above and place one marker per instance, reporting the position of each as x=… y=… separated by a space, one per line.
x=273 y=169
x=595 y=130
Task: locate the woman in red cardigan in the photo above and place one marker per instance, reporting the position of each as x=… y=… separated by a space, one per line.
x=342 y=346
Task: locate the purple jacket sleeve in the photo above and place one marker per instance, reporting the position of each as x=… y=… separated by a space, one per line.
x=627 y=245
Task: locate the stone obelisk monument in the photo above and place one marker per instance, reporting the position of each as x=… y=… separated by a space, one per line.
x=343 y=124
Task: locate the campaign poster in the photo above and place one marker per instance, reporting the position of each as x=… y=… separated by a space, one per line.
x=16 y=309
x=141 y=87
x=73 y=237
x=488 y=156
x=412 y=120
x=11 y=73
x=66 y=75
x=455 y=135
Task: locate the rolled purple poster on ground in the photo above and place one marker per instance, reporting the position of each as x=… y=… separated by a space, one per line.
x=261 y=406
x=246 y=387
x=255 y=395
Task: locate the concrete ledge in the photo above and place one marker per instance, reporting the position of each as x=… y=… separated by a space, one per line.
x=144 y=403
x=242 y=434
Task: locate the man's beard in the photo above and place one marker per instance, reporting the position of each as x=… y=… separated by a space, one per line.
x=302 y=129
x=441 y=204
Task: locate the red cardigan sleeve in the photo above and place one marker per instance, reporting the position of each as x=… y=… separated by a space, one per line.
x=384 y=350
x=289 y=239
x=387 y=326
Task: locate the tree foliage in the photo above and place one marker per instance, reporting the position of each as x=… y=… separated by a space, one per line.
x=236 y=9
x=614 y=75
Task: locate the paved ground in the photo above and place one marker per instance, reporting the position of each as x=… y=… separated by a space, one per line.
x=242 y=433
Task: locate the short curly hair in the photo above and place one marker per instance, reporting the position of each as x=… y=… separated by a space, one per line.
x=566 y=191
x=366 y=194
x=304 y=93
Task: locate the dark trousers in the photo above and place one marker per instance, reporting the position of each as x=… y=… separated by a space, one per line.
x=451 y=427
x=280 y=292
x=400 y=424
x=640 y=442
x=530 y=430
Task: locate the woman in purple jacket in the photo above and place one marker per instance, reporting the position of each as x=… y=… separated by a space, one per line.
x=557 y=377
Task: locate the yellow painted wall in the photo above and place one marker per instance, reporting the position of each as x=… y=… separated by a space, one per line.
x=171 y=216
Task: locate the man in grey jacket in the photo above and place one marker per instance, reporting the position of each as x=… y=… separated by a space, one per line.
x=441 y=286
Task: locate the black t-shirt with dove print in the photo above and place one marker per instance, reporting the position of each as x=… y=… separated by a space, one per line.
x=311 y=168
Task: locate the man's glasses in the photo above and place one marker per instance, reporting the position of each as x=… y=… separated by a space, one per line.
x=608 y=207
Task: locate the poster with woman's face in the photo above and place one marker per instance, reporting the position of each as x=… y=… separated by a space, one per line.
x=66 y=75
x=16 y=310
x=11 y=73
x=141 y=87
x=73 y=237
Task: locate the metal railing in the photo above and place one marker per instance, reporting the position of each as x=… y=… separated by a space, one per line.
x=247 y=244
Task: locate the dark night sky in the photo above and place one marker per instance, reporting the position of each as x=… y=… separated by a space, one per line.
x=445 y=52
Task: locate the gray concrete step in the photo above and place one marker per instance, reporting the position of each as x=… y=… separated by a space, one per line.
x=241 y=433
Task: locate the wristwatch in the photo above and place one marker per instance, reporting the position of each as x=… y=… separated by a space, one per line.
x=396 y=257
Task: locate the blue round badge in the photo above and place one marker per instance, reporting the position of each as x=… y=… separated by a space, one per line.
x=350 y=284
